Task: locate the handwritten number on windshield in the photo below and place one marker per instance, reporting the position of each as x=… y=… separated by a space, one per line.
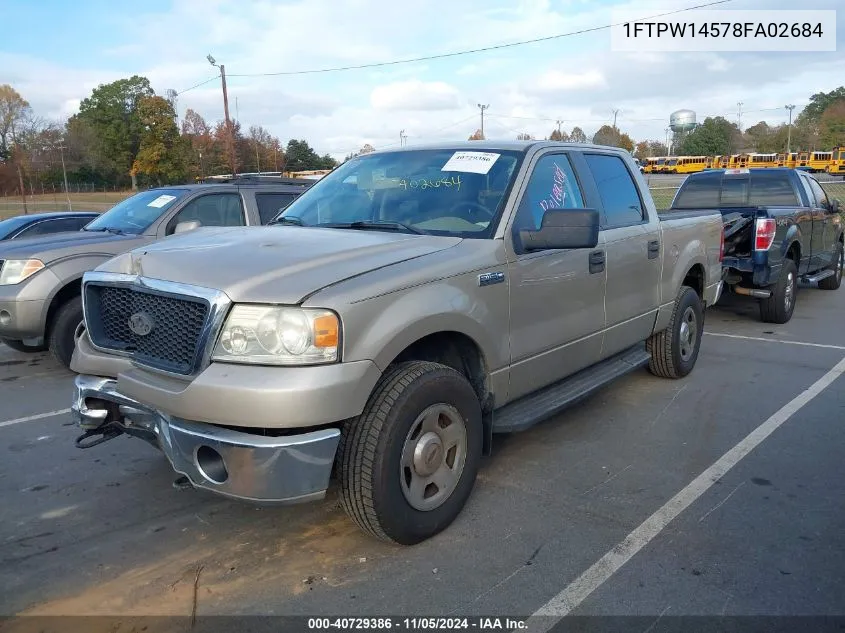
x=425 y=183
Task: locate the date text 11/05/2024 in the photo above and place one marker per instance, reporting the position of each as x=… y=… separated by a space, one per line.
x=724 y=29
x=478 y=623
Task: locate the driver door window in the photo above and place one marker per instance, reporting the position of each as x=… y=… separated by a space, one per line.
x=216 y=209
x=552 y=185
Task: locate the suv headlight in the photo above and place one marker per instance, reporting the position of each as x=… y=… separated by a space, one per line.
x=14 y=271
x=274 y=335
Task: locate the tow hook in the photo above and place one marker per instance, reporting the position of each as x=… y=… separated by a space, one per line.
x=105 y=432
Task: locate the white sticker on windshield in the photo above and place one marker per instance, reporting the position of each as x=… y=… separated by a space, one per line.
x=159 y=202
x=471 y=162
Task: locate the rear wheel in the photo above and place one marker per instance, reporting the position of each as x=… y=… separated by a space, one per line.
x=835 y=280
x=675 y=349
x=65 y=322
x=408 y=463
x=20 y=346
x=779 y=307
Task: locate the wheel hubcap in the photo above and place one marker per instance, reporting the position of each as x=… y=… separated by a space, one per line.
x=688 y=334
x=839 y=265
x=787 y=295
x=433 y=457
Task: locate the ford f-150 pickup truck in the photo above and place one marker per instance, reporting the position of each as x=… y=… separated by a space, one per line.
x=41 y=278
x=402 y=311
x=780 y=226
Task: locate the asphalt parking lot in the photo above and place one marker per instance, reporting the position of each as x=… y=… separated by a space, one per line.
x=609 y=509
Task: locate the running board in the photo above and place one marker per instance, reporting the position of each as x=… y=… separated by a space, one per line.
x=824 y=274
x=549 y=401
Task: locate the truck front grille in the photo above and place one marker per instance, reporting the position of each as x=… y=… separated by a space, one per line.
x=160 y=330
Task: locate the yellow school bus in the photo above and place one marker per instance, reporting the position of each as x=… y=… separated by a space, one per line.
x=691 y=164
x=762 y=160
x=802 y=160
x=820 y=161
x=838 y=164
x=788 y=160
x=649 y=164
x=660 y=165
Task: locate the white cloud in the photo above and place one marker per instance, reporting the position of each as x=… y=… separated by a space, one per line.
x=557 y=81
x=416 y=95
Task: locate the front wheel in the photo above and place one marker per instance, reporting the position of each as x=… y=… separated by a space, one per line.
x=674 y=350
x=408 y=463
x=835 y=280
x=779 y=307
x=62 y=339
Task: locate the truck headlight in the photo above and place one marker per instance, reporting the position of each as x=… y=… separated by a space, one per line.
x=14 y=271
x=274 y=335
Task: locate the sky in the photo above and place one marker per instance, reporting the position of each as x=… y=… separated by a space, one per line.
x=58 y=51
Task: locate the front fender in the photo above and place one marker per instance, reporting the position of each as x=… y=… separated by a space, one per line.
x=380 y=328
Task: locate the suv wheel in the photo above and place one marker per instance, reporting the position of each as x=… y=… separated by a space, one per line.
x=675 y=349
x=61 y=340
x=408 y=463
x=779 y=307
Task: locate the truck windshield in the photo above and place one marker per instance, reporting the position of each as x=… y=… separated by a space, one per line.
x=136 y=213
x=438 y=192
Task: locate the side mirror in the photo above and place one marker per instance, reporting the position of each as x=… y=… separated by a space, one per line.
x=182 y=227
x=834 y=205
x=563 y=228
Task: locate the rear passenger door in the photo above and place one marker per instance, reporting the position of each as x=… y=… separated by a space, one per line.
x=631 y=251
x=271 y=203
x=826 y=234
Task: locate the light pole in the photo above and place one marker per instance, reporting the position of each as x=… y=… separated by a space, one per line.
x=483 y=108
x=202 y=169
x=64 y=173
x=226 y=113
x=789 y=131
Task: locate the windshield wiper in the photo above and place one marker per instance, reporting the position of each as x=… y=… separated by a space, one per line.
x=108 y=229
x=390 y=226
x=286 y=219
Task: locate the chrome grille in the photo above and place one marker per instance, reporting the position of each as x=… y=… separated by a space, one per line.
x=176 y=322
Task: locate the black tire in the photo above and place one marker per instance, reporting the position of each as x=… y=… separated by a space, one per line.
x=20 y=346
x=834 y=281
x=674 y=350
x=370 y=453
x=61 y=340
x=779 y=307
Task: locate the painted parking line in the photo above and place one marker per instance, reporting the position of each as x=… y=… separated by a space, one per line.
x=775 y=340
x=37 y=416
x=594 y=577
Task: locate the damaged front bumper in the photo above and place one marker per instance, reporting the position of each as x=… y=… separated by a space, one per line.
x=268 y=469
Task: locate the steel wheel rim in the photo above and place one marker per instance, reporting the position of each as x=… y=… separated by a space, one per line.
x=788 y=292
x=433 y=457
x=839 y=265
x=688 y=333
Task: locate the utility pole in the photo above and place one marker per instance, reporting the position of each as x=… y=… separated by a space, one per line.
x=615 y=112
x=483 y=108
x=401 y=138
x=789 y=130
x=257 y=160
x=202 y=170
x=64 y=173
x=668 y=149
x=739 y=116
x=226 y=114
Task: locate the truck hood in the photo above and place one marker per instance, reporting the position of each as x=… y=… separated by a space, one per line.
x=52 y=247
x=278 y=264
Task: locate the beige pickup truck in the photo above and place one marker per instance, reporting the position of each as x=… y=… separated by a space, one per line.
x=406 y=308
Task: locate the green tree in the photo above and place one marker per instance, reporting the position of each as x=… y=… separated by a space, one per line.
x=609 y=135
x=716 y=135
x=577 y=135
x=641 y=150
x=820 y=102
x=832 y=125
x=13 y=110
x=478 y=135
x=162 y=152
x=557 y=135
x=112 y=113
x=300 y=157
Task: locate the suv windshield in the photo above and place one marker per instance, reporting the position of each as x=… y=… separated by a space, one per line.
x=439 y=192
x=136 y=213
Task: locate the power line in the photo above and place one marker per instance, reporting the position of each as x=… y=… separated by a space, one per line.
x=202 y=83
x=474 y=50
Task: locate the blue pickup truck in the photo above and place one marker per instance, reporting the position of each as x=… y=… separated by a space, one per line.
x=780 y=226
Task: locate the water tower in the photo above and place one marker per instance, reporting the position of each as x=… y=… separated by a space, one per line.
x=681 y=122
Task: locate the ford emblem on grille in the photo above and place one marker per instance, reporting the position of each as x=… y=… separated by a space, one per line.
x=141 y=323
